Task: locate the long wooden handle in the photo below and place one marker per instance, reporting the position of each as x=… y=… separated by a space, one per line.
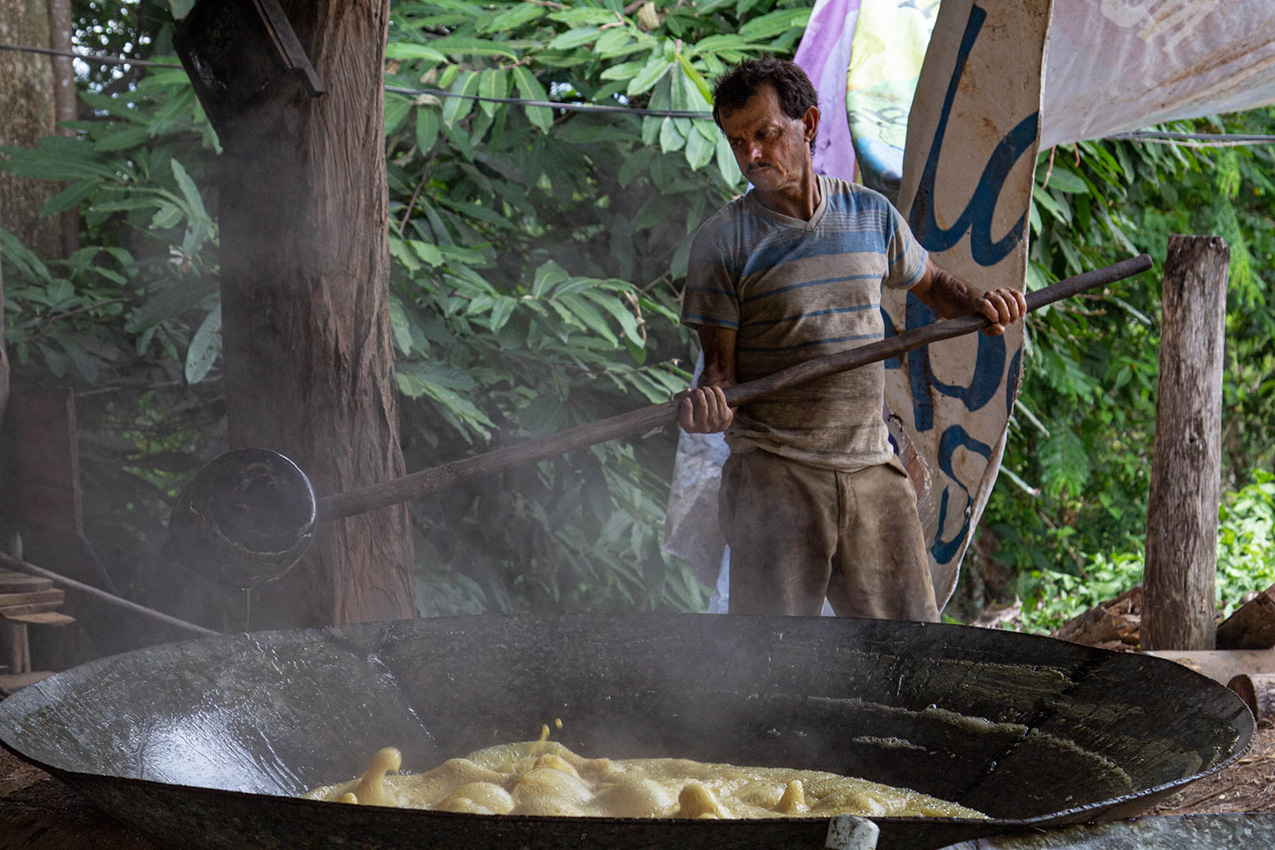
x=644 y=419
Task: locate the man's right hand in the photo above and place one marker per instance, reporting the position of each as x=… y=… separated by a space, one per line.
x=704 y=411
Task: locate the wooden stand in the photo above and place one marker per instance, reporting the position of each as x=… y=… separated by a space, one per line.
x=25 y=601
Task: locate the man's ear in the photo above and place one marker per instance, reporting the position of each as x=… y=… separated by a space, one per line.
x=811 y=121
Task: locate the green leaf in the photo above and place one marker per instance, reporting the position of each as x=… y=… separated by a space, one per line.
x=501 y=311
x=205 y=346
x=396 y=109
x=529 y=88
x=548 y=275
x=576 y=17
x=189 y=190
x=456 y=108
x=168 y=215
x=634 y=165
x=699 y=151
x=625 y=71
x=129 y=137
x=771 y=25
x=1067 y=181
x=71 y=197
x=492 y=83
x=427 y=251
x=400 y=325
x=612 y=42
x=693 y=76
x=426 y=128
x=170 y=301
x=461 y=46
x=584 y=310
x=59 y=162
x=670 y=138
x=656 y=67
x=513 y=17
x=573 y=38
x=407 y=50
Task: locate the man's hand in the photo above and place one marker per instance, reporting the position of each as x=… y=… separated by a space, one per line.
x=1002 y=307
x=704 y=411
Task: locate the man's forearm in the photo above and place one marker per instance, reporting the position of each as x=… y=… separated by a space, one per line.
x=718 y=345
x=950 y=296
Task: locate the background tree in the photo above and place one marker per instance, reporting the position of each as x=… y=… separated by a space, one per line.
x=304 y=314
x=26 y=115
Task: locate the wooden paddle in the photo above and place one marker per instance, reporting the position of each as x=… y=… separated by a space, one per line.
x=638 y=421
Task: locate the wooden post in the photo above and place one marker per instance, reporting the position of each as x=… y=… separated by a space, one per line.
x=1179 y=609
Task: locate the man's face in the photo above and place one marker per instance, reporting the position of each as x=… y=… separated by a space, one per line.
x=772 y=150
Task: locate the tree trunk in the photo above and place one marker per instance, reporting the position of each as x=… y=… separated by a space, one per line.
x=1179 y=607
x=4 y=378
x=64 y=105
x=26 y=114
x=305 y=316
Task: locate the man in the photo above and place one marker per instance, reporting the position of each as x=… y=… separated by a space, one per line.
x=813 y=501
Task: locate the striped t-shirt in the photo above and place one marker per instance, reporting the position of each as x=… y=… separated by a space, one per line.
x=795 y=290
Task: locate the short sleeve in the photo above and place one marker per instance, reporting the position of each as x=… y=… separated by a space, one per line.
x=904 y=254
x=711 y=297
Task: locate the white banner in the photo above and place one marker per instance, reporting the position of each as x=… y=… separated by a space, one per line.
x=973 y=134
x=1118 y=65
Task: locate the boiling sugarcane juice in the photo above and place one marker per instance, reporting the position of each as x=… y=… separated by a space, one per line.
x=546 y=778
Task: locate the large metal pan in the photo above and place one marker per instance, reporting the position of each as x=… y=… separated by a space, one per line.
x=201 y=744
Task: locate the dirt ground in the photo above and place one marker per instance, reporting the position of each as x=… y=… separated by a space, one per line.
x=1248 y=785
x=38 y=812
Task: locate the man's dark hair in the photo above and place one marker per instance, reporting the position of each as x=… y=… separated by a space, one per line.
x=796 y=94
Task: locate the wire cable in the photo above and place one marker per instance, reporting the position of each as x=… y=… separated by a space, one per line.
x=1190 y=140
x=566 y=106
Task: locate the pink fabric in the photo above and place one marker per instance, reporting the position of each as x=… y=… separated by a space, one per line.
x=824 y=54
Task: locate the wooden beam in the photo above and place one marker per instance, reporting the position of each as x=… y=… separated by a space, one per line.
x=1181 y=564
x=1222 y=665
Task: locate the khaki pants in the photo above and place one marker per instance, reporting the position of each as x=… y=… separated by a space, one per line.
x=798 y=533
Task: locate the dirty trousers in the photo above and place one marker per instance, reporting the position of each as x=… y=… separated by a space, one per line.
x=800 y=532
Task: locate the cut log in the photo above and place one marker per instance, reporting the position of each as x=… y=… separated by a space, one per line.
x=1112 y=624
x=1252 y=626
x=1258 y=692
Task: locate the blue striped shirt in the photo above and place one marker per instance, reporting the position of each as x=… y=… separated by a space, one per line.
x=796 y=290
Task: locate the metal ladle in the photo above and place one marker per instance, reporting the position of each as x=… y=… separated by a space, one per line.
x=250 y=514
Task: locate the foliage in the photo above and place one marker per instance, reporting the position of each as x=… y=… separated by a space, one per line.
x=1079 y=454
x=534 y=255
x=1245 y=564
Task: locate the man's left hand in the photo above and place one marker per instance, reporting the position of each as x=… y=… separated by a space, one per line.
x=1002 y=307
